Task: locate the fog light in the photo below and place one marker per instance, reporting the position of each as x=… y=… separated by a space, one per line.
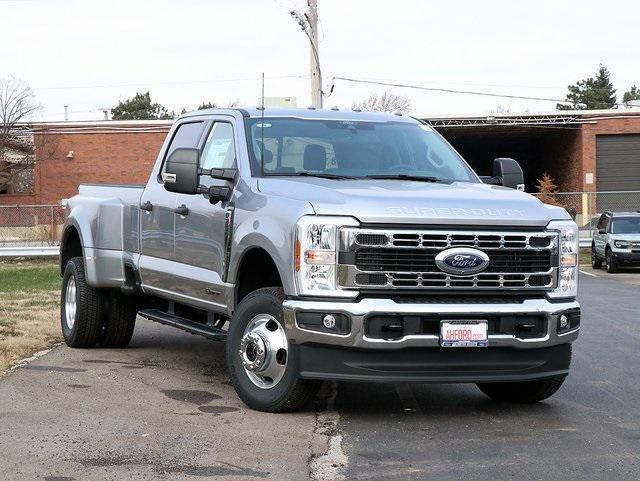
x=329 y=321
x=564 y=322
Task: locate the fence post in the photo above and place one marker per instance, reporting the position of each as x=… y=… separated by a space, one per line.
x=53 y=226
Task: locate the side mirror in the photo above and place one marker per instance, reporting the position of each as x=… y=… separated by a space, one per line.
x=508 y=172
x=602 y=231
x=181 y=171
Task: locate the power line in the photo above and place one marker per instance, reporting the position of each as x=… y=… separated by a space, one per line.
x=454 y=91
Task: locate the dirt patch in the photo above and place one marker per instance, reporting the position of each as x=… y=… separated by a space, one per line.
x=29 y=322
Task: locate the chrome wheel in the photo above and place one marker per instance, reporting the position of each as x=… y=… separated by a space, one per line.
x=70 y=303
x=264 y=351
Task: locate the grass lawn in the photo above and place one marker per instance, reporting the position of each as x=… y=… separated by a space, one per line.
x=29 y=308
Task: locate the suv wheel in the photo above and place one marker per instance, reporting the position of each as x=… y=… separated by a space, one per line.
x=81 y=307
x=260 y=362
x=595 y=262
x=612 y=267
x=522 y=392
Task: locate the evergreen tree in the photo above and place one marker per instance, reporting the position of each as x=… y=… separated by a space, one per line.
x=591 y=93
x=207 y=105
x=140 y=107
x=632 y=94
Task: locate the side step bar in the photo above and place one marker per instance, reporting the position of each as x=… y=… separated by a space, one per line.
x=172 y=320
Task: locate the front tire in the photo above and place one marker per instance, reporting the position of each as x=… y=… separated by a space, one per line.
x=522 y=392
x=260 y=362
x=81 y=307
x=595 y=262
x=612 y=267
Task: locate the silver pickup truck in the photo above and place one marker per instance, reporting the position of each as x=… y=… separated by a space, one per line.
x=328 y=245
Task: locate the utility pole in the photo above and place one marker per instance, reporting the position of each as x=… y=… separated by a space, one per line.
x=309 y=24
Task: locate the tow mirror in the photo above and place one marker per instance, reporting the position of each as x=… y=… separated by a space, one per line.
x=181 y=171
x=508 y=172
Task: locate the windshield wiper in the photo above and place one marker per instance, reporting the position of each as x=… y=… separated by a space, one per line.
x=421 y=178
x=310 y=174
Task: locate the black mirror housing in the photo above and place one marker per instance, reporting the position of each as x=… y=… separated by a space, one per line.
x=508 y=172
x=181 y=171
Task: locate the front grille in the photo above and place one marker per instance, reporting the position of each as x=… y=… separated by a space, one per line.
x=421 y=260
x=380 y=259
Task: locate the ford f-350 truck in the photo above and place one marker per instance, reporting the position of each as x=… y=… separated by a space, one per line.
x=328 y=245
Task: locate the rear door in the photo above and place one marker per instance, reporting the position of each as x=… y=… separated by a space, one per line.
x=157 y=216
x=201 y=233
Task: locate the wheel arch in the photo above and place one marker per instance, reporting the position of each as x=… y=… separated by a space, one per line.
x=255 y=268
x=71 y=244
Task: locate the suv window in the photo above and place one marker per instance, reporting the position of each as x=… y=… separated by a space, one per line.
x=186 y=136
x=219 y=150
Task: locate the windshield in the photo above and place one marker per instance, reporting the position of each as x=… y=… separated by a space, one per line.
x=350 y=149
x=625 y=225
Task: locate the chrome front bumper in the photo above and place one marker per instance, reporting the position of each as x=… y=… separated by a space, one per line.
x=358 y=311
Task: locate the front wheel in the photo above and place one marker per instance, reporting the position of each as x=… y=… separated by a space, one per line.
x=522 y=392
x=260 y=362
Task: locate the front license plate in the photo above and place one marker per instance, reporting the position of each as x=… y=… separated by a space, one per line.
x=463 y=333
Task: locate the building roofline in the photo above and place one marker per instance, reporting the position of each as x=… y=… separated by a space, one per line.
x=556 y=117
x=99 y=123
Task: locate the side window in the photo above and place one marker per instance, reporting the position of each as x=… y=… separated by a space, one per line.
x=219 y=150
x=605 y=223
x=188 y=135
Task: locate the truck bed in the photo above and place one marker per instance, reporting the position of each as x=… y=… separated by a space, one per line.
x=114 y=214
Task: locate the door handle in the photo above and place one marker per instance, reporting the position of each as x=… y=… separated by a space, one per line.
x=182 y=210
x=148 y=206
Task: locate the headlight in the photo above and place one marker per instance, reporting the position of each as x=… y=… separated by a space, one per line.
x=622 y=244
x=568 y=247
x=316 y=255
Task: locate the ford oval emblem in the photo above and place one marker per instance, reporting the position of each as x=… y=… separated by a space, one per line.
x=462 y=261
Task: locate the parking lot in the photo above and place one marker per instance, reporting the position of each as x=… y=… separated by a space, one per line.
x=162 y=409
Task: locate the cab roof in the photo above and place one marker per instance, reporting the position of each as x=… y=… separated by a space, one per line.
x=309 y=113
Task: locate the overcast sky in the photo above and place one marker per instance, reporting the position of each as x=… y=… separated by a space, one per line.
x=89 y=54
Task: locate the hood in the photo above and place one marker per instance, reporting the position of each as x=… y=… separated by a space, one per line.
x=621 y=236
x=412 y=202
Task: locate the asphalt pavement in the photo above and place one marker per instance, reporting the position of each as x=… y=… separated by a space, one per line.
x=162 y=409
x=589 y=430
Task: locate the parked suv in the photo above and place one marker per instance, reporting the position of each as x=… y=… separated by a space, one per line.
x=617 y=241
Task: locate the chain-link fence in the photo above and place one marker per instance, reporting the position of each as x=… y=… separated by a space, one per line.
x=586 y=207
x=41 y=225
x=30 y=225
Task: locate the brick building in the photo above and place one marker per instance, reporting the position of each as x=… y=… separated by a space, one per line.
x=583 y=150
x=71 y=153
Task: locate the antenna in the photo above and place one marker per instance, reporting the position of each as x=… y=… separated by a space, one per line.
x=262 y=130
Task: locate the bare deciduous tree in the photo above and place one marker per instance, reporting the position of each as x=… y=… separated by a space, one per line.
x=385 y=102
x=17 y=153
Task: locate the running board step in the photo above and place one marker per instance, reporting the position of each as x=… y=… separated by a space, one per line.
x=172 y=320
